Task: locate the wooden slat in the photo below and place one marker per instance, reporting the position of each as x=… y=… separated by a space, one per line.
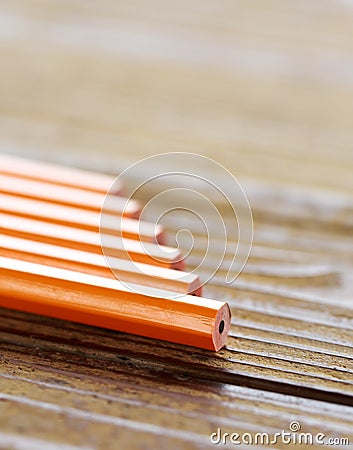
x=156 y=392
x=279 y=371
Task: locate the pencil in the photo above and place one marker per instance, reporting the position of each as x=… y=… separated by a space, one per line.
x=63 y=195
x=82 y=219
x=56 y=174
x=107 y=303
x=145 y=252
x=95 y=264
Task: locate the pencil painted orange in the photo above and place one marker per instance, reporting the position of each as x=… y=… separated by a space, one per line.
x=79 y=218
x=144 y=252
x=95 y=264
x=63 y=195
x=57 y=174
x=107 y=303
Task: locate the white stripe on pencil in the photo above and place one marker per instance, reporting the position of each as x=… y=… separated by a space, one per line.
x=79 y=218
x=115 y=246
x=108 y=303
x=63 y=195
x=57 y=174
x=95 y=264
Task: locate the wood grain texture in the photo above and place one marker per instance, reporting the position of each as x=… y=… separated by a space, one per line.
x=266 y=89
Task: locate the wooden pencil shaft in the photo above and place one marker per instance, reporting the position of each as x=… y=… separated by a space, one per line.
x=56 y=174
x=108 y=303
x=144 y=252
x=95 y=264
x=78 y=218
x=63 y=195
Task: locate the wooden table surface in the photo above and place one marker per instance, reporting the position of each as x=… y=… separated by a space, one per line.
x=266 y=89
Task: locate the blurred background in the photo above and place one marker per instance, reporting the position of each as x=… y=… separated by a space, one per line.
x=264 y=87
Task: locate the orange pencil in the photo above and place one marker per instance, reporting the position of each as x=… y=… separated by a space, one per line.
x=78 y=218
x=107 y=303
x=144 y=252
x=56 y=174
x=95 y=264
x=63 y=195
